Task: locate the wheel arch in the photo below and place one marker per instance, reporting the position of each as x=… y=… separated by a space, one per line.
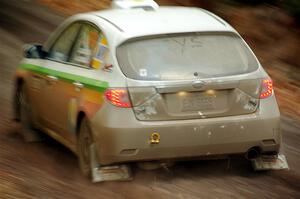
x=80 y=116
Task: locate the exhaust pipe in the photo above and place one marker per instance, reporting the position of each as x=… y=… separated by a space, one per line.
x=252 y=153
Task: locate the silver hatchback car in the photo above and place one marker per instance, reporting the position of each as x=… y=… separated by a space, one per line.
x=147 y=84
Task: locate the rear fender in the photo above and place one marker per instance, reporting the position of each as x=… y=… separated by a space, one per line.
x=88 y=103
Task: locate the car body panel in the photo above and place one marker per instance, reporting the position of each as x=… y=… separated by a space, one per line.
x=121 y=137
x=58 y=102
x=163 y=20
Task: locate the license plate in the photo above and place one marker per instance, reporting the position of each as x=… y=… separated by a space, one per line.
x=198 y=101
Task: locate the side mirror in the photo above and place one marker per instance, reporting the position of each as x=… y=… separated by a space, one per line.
x=34 y=51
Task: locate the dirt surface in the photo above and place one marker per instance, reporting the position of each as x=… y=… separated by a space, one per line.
x=48 y=170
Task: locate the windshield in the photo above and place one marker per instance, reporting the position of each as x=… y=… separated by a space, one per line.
x=182 y=57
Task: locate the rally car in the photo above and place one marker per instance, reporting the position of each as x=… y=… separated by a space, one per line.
x=139 y=82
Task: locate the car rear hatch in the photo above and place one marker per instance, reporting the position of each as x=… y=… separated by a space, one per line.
x=211 y=99
x=190 y=76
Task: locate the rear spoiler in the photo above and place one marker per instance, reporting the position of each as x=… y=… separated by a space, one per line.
x=130 y=4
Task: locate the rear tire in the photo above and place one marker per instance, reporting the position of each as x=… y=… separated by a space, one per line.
x=28 y=132
x=84 y=143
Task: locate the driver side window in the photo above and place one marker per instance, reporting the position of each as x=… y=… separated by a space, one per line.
x=61 y=48
x=81 y=44
x=85 y=46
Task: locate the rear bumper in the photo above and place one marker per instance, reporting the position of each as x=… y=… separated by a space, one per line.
x=120 y=137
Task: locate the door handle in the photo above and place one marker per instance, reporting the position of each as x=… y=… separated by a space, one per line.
x=36 y=76
x=52 y=78
x=78 y=85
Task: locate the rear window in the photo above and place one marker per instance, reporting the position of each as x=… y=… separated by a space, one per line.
x=179 y=57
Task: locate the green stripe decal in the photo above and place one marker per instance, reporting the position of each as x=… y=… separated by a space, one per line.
x=87 y=82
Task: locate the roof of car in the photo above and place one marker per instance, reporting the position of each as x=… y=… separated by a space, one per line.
x=163 y=20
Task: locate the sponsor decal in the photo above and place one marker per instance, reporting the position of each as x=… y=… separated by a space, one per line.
x=72 y=113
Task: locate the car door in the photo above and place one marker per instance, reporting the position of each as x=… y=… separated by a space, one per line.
x=52 y=100
x=69 y=80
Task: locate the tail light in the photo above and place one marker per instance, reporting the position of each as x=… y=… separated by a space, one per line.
x=118 y=97
x=267 y=88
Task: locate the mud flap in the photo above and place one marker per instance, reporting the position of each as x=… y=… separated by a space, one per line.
x=108 y=173
x=270 y=162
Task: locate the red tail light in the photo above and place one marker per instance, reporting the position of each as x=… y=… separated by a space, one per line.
x=118 y=97
x=267 y=88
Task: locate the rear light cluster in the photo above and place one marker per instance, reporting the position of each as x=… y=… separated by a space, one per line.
x=118 y=97
x=267 y=88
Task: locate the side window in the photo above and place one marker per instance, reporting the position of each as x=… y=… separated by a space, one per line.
x=85 y=46
x=100 y=56
x=61 y=48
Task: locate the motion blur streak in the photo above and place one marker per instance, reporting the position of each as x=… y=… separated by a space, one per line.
x=48 y=170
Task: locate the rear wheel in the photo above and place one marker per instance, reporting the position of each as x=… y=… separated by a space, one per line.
x=28 y=132
x=84 y=143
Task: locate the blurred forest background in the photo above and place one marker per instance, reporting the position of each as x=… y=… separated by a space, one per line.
x=263 y=21
x=270 y=27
